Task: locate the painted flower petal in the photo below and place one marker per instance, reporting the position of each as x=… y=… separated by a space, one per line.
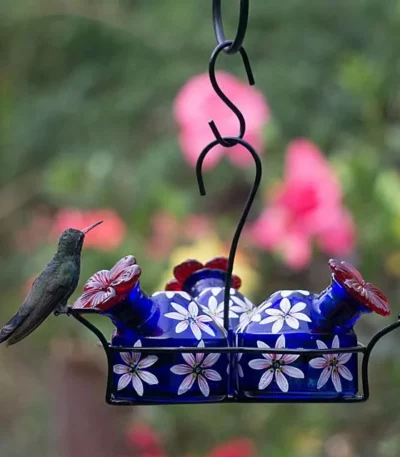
x=277 y=327
x=148 y=361
x=182 y=326
x=126 y=357
x=281 y=381
x=121 y=266
x=204 y=318
x=199 y=357
x=303 y=292
x=324 y=377
x=203 y=384
x=298 y=307
x=293 y=372
x=335 y=342
x=126 y=279
x=187 y=383
x=212 y=375
x=244 y=306
x=193 y=309
x=121 y=369
x=137 y=384
x=259 y=364
x=216 y=291
x=274 y=312
x=264 y=306
x=318 y=363
x=212 y=304
x=289 y=358
x=239 y=370
x=176 y=316
x=266 y=379
x=148 y=377
x=124 y=381
x=196 y=331
x=211 y=360
x=181 y=369
x=321 y=345
x=292 y=322
x=301 y=317
x=189 y=359
x=280 y=342
x=270 y=319
x=263 y=345
x=285 y=305
x=345 y=372
x=286 y=293
x=205 y=328
x=343 y=358
x=180 y=309
x=336 y=381
x=99 y=281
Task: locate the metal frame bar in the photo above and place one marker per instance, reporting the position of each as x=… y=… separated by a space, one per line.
x=109 y=350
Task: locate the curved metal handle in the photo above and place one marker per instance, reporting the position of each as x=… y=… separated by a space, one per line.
x=211 y=69
x=368 y=351
x=244 y=215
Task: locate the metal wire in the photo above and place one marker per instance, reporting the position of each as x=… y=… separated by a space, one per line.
x=237 y=43
x=243 y=217
x=224 y=98
x=231 y=47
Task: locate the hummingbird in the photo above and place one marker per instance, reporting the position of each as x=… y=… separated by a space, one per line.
x=51 y=289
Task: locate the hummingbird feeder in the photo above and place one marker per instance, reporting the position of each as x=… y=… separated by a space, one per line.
x=201 y=341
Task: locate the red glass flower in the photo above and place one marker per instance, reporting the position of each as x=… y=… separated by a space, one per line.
x=190 y=266
x=364 y=292
x=106 y=288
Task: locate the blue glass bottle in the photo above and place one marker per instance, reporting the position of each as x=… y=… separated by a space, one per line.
x=299 y=319
x=206 y=284
x=166 y=319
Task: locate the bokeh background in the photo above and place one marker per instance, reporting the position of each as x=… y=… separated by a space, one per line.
x=103 y=110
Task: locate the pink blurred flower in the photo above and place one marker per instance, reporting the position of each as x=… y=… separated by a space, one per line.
x=106 y=237
x=307 y=206
x=196 y=104
x=240 y=447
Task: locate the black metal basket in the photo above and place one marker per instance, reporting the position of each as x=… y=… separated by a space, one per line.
x=359 y=349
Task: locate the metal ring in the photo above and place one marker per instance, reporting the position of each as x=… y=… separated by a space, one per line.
x=241 y=30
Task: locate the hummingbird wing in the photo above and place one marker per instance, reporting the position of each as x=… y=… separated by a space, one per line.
x=54 y=286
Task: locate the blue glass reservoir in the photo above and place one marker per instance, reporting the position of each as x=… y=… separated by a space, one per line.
x=167 y=319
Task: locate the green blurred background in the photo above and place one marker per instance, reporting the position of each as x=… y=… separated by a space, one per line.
x=86 y=122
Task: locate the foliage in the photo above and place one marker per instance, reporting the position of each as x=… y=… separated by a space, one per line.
x=86 y=122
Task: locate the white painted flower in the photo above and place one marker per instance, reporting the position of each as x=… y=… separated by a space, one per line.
x=276 y=364
x=216 y=310
x=288 y=293
x=252 y=315
x=332 y=366
x=190 y=317
x=134 y=372
x=237 y=305
x=197 y=368
x=287 y=313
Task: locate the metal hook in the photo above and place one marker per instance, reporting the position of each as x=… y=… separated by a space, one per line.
x=223 y=97
x=237 y=43
x=244 y=215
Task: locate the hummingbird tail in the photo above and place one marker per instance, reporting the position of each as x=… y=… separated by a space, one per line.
x=10 y=327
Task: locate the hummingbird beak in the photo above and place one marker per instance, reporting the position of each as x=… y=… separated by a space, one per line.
x=87 y=229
